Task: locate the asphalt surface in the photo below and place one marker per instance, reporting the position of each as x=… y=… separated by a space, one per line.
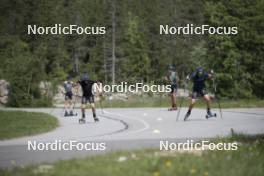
x=126 y=129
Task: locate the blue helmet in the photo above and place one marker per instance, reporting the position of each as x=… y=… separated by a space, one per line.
x=199 y=71
x=85 y=77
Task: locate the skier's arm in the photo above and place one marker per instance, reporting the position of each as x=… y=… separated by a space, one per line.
x=97 y=82
x=177 y=78
x=210 y=74
x=76 y=84
x=62 y=91
x=98 y=86
x=191 y=76
x=166 y=78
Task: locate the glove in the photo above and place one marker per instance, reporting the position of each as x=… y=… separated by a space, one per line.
x=188 y=77
x=212 y=71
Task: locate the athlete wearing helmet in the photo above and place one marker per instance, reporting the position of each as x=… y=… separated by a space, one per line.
x=199 y=77
x=68 y=105
x=172 y=78
x=87 y=87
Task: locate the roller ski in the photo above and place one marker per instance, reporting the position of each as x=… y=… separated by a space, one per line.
x=210 y=114
x=82 y=120
x=174 y=108
x=66 y=114
x=71 y=113
x=95 y=118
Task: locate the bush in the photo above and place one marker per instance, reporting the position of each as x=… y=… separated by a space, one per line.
x=23 y=71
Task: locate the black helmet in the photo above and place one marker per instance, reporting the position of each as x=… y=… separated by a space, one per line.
x=69 y=78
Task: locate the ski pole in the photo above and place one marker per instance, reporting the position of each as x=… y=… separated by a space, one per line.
x=100 y=100
x=64 y=106
x=100 y=103
x=160 y=95
x=178 y=114
x=76 y=95
x=74 y=103
x=217 y=100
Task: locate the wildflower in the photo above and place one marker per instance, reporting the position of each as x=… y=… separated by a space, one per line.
x=122 y=159
x=156 y=173
x=193 y=171
x=168 y=163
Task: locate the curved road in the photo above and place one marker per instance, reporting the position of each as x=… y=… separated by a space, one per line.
x=129 y=128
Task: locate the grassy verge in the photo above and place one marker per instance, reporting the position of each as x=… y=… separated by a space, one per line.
x=18 y=123
x=165 y=102
x=247 y=160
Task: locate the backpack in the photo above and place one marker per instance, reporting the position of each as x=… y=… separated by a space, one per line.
x=173 y=78
x=67 y=86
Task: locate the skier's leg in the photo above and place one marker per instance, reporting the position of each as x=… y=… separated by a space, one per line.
x=173 y=97
x=192 y=105
x=93 y=110
x=70 y=104
x=208 y=102
x=71 y=107
x=190 y=109
x=66 y=106
x=194 y=96
x=83 y=110
x=83 y=106
x=91 y=100
x=193 y=101
x=173 y=100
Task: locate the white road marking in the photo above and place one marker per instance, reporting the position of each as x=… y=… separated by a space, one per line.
x=156 y=131
x=159 y=119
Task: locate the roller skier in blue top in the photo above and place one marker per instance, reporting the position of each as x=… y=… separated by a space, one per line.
x=199 y=77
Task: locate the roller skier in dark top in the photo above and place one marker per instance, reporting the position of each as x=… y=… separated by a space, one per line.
x=88 y=96
x=199 y=77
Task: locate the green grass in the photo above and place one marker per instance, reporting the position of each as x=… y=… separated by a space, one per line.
x=18 y=123
x=247 y=160
x=146 y=101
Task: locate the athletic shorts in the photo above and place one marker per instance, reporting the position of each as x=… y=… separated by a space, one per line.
x=68 y=96
x=197 y=93
x=174 y=88
x=86 y=99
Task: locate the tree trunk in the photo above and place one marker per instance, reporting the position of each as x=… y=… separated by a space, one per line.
x=105 y=61
x=113 y=41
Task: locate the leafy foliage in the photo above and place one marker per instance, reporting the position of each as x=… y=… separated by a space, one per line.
x=142 y=54
x=239 y=58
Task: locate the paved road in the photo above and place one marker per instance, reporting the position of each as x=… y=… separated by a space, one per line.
x=129 y=128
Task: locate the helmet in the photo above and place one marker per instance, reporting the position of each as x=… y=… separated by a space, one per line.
x=172 y=68
x=85 y=77
x=199 y=71
x=69 y=78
